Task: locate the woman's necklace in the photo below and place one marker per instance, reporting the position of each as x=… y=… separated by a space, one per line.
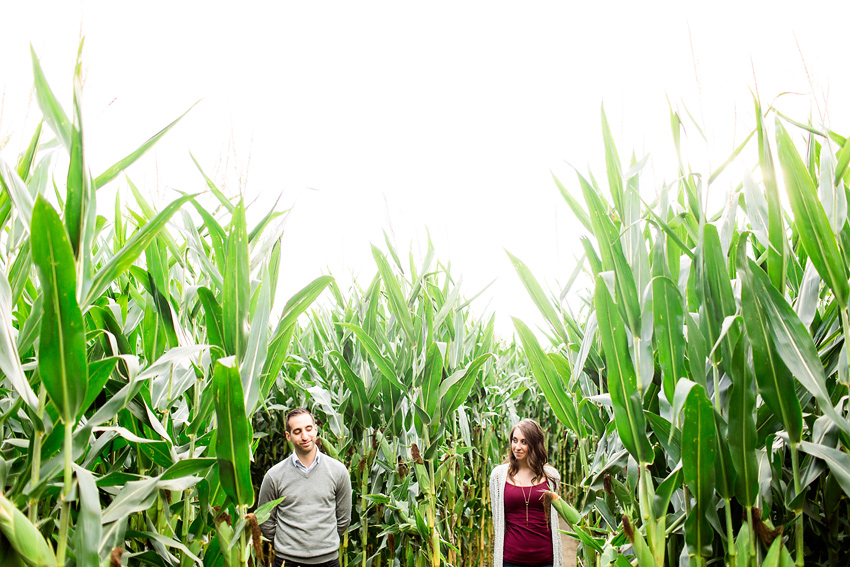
x=527 y=500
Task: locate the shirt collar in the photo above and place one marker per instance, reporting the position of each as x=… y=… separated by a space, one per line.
x=299 y=465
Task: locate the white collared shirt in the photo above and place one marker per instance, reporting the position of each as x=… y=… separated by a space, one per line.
x=299 y=465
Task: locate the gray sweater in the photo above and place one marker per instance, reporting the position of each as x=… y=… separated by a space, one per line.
x=316 y=509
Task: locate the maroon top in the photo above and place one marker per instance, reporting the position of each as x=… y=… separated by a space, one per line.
x=527 y=544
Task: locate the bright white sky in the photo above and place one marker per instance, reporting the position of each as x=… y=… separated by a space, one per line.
x=393 y=116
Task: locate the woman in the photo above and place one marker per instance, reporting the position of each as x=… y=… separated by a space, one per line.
x=525 y=526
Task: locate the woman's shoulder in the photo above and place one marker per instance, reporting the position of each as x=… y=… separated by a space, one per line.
x=552 y=472
x=499 y=471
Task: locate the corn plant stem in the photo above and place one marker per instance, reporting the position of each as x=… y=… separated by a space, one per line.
x=432 y=517
x=65 y=516
x=752 y=535
x=364 y=519
x=654 y=528
x=845 y=323
x=36 y=457
x=244 y=555
x=730 y=533
x=798 y=530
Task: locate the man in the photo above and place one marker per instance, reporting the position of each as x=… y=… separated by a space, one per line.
x=305 y=528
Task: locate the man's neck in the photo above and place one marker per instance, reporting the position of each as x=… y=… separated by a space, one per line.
x=307 y=458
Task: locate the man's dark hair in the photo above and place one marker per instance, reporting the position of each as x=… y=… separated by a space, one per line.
x=298 y=411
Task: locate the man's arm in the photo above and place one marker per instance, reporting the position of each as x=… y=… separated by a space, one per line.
x=268 y=492
x=343 y=502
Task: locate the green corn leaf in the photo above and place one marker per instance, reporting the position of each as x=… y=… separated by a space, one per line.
x=714 y=290
x=134 y=496
x=574 y=205
x=777 y=255
x=125 y=257
x=622 y=381
x=612 y=166
x=455 y=389
x=89 y=527
x=359 y=400
x=730 y=159
x=398 y=305
x=811 y=221
x=234 y=434
x=831 y=193
x=62 y=354
x=775 y=382
x=113 y=172
x=53 y=113
x=187 y=467
x=212 y=313
x=279 y=342
x=431 y=378
x=371 y=347
x=237 y=287
x=539 y=297
x=698 y=455
x=613 y=258
x=725 y=474
x=669 y=321
x=837 y=461
x=256 y=351
x=17 y=191
x=26 y=161
x=10 y=361
x=299 y=302
x=547 y=377
x=843 y=157
x=742 y=429
x=794 y=344
x=665 y=491
x=99 y=373
x=79 y=194
x=215 y=190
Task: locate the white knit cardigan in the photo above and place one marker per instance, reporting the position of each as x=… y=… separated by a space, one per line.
x=497 y=502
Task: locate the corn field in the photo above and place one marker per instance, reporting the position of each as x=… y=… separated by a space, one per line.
x=695 y=395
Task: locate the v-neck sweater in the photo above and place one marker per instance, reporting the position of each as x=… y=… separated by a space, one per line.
x=316 y=509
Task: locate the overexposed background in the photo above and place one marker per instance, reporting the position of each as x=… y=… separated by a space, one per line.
x=445 y=116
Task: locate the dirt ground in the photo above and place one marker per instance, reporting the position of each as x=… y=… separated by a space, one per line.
x=568 y=547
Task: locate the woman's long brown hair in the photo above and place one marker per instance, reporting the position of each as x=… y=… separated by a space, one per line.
x=537 y=454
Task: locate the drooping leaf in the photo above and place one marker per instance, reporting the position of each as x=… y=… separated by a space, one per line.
x=539 y=297
x=794 y=344
x=53 y=113
x=455 y=389
x=775 y=382
x=10 y=361
x=371 y=347
x=547 y=378
x=89 y=524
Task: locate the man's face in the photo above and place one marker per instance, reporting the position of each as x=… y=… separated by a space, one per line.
x=302 y=433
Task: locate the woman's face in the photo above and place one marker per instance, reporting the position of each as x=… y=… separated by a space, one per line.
x=519 y=446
